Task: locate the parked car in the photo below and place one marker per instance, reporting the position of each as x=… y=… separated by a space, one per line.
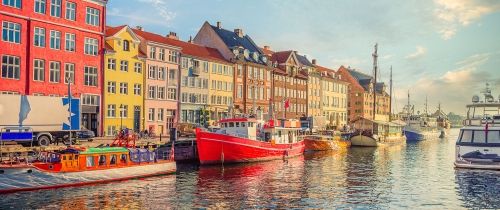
x=85 y=135
x=186 y=129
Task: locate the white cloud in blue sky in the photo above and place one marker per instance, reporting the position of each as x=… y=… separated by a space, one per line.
x=446 y=49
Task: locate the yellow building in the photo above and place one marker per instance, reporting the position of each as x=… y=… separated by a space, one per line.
x=123 y=81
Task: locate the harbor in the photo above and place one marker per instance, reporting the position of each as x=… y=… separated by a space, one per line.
x=382 y=177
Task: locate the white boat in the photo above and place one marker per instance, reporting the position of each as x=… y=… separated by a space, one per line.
x=478 y=144
x=420 y=126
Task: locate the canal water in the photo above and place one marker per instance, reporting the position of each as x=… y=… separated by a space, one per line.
x=416 y=175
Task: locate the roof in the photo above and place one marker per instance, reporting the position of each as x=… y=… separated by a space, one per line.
x=303 y=60
x=267 y=51
x=232 y=40
x=154 y=37
x=237 y=120
x=100 y=150
x=365 y=80
x=198 y=50
x=281 y=57
x=110 y=30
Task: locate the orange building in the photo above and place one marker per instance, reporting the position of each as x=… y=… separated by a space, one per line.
x=361 y=95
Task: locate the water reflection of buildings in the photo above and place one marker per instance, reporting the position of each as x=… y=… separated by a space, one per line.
x=478 y=189
x=273 y=184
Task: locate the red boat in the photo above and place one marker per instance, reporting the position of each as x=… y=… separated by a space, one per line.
x=243 y=140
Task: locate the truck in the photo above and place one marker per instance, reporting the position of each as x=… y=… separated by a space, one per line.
x=48 y=119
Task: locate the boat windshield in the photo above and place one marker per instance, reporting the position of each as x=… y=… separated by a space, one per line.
x=479 y=136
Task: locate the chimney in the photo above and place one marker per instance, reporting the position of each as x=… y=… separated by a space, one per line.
x=239 y=32
x=266 y=47
x=295 y=51
x=172 y=35
x=314 y=61
x=219 y=25
x=139 y=28
x=191 y=40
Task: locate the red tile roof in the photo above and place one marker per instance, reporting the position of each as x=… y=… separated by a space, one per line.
x=198 y=50
x=110 y=30
x=281 y=57
x=267 y=52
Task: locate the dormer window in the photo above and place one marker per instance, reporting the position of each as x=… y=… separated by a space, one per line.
x=126 y=45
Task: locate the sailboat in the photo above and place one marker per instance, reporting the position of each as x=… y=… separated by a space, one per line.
x=372 y=132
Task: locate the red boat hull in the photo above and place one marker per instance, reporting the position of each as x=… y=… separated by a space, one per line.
x=216 y=148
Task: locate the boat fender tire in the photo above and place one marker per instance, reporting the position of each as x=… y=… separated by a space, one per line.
x=29 y=171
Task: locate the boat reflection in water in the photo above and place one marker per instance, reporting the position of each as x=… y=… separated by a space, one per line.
x=478 y=189
x=248 y=185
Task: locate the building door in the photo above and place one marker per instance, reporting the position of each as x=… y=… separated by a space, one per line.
x=137 y=118
x=93 y=123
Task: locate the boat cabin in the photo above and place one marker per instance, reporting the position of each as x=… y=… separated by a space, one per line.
x=379 y=128
x=283 y=131
x=239 y=127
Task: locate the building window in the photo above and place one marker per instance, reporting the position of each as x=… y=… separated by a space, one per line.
x=111 y=87
x=70 y=42
x=184 y=62
x=13 y=3
x=124 y=111
x=137 y=89
x=11 y=67
x=39 y=38
x=161 y=92
x=55 y=8
x=111 y=110
x=90 y=76
x=152 y=53
x=152 y=72
x=151 y=114
x=92 y=17
x=171 y=74
x=111 y=130
x=160 y=114
x=240 y=91
x=11 y=32
x=161 y=54
x=126 y=45
x=70 y=10
x=111 y=63
x=39 y=70
x=214 y=68
x=152 y=92
x=91 y=100
x=69 y=73
x=55 y=72
x=91 y=46
x=123 y=65
x=55 y=40
x=172 y=94
x=205 y=66
x=138 y=68
x=40 y=6
x=161 y=73
x=123 y=88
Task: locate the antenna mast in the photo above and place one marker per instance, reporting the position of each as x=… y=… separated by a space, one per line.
x=375 y=56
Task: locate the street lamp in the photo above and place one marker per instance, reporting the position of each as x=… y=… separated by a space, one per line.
x=121 y=116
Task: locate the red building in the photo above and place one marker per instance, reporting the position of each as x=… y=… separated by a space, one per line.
x=44 y=42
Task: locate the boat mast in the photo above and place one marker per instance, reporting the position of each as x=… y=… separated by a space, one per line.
x=375 y=55
x=390 y=96
x=426 y=105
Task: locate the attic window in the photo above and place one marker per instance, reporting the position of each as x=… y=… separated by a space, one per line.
x=126 y=45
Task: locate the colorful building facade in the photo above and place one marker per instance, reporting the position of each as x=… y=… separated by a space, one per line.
x=313 y=91
x=161 y=82
x=334 y=93
x=123 y=95
x=46 y=44
x=361 y=92
x=206 y=83
x=253 y=70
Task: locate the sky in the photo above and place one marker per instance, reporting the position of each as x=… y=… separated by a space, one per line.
x=445 y=50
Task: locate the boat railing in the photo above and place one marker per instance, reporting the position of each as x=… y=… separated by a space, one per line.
x=481 y=122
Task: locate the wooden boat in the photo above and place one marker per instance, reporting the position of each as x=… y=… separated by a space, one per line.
x=374 y=133
x=76 y=167
x=324 y=143
x=243 y=140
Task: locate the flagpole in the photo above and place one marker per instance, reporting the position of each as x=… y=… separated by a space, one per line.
x=69 y=109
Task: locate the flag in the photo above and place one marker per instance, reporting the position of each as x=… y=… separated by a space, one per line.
x=287 y=103
x=172 y=150
x=24 y=110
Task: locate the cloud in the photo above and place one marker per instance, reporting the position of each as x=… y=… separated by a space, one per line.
x=453 y=88
x=451 y=14
x=420 y=51
x=161 y=7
